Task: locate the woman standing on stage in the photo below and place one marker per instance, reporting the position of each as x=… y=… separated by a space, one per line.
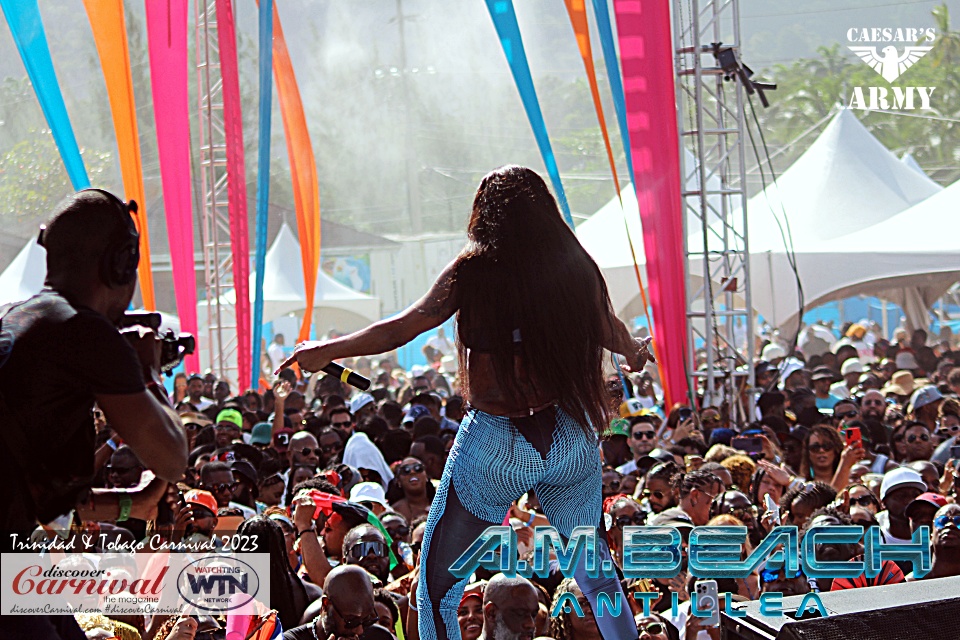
x=533 y=320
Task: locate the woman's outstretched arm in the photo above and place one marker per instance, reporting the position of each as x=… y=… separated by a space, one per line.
x=429 y=312
x=617 y=339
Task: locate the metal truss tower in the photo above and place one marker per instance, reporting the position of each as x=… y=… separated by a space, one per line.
x=221 y=342
x=711 y=116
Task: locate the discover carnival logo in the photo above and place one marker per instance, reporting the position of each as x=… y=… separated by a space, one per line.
x=891 y=52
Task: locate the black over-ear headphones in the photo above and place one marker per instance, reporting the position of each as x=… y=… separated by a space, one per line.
x=118 y=266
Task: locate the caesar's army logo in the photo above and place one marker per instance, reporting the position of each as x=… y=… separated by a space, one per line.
x=891 y=52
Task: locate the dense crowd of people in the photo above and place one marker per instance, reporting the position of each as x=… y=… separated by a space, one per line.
x=258 y=461
x=346 y=490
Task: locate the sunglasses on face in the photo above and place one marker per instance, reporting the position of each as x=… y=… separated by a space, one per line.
x=613 y=485
x=654 y=629
x=625 y=521
x=363 y=549
x=769 y=575
x=410 y=469
x=954 y=428
x=340 y=425
x=710 y=421
x=644 y=435
x=941 y=521
x=330 y=448
x=913 y=437
x=306 y=451
x=399 y=532
x=656 y=494
x=352 y=622
x=223 y=486
x=863 y=501
x=819 y=448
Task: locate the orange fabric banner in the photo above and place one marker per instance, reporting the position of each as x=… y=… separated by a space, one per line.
x=110 y=34
x=303 y=168
x=577 y=11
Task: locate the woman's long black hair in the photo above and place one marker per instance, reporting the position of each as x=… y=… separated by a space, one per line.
x=287 y=593
x=523 y=268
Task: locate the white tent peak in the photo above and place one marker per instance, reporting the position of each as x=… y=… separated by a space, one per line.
x=23 y=278
x=845 y=181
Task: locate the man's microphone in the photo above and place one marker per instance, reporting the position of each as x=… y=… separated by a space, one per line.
x=349 y=376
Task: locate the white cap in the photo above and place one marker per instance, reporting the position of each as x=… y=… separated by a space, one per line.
x=906 y=360
x=851 y=365
x=899 y=478
x=773 y=351
x=788 y=367
x=359 y=401
x=368 y=492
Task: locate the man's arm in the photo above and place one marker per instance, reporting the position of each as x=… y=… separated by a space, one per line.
x=386 y=335
x=152 y=430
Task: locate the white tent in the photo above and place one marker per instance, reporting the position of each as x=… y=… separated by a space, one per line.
x=844 y=184
x=335 y=306
x=911 y=259
x=24 y=276
x=911 y=162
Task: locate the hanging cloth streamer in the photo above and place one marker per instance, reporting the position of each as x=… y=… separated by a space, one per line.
x=505 y=20
x=303 y=169
x=646 y=52
x=23 y=18
x=577 y=11
x=263 y=179
x=236 y=182
x=616 y=89
x=110 y=34
x=167 y=40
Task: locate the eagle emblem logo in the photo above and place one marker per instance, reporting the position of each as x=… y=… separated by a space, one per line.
x=890 y=64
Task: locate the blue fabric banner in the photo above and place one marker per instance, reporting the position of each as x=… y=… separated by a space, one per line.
x=613 y=74
x=505 y=20
x=263 y=180
x=23 y=16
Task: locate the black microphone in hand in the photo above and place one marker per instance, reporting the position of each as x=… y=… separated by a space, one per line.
x=349 y=376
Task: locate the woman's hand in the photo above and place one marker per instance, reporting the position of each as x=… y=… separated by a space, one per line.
x=851 y=455
x=778 y=474
x=639 y=356
x=311 y=356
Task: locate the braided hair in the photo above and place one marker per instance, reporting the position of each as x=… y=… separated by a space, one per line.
x=287 y=593
x=699 y=479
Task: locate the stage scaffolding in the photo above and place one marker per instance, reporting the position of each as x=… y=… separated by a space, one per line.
x=712 y=114
x=221 y=338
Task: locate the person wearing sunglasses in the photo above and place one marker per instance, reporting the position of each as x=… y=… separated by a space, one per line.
x=620 y=512
x=364 y=545
x=522 y=289
x=658 y=492
x=825 y=459
x=347 y=608
x=845 y=412
x=642 y=440
x=861 y=496
x=331 y=447
x=217 y=478
x=415 y=488
x=945 y=539
x=124 y=469
x=611 y=480
x=777 y=579
x=696 y=490
x=918 y=445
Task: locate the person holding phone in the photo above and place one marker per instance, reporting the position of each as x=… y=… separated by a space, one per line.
x=533 y=321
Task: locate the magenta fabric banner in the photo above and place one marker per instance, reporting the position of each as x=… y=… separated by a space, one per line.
x=167 y=37
x=646 y=56
x=236 y=183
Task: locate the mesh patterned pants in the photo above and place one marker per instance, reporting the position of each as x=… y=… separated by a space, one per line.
x=493 y=462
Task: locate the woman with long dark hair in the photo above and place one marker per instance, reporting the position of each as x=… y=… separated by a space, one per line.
x=533 y=320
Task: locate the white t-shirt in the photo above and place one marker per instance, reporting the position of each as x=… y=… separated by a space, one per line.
x=275 y=353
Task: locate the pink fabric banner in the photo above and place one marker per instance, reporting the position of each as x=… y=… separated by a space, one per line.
x=167 y=36
x=236 y=182
x=646 y=56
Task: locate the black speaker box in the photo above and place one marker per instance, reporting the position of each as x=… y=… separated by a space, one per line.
x=923 y=610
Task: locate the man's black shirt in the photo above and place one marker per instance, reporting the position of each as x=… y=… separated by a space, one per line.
x=54 y=358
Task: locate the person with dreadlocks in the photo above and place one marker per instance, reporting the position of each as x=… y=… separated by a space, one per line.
x=533 y=320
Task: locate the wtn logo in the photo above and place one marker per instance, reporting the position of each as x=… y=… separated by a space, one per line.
x=890 y=64
x=222 y=584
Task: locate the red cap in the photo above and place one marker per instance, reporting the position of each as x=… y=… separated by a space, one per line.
x=935 y=499
x=203 y=498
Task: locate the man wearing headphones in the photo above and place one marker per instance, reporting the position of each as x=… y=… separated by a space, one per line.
x=60 y=351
